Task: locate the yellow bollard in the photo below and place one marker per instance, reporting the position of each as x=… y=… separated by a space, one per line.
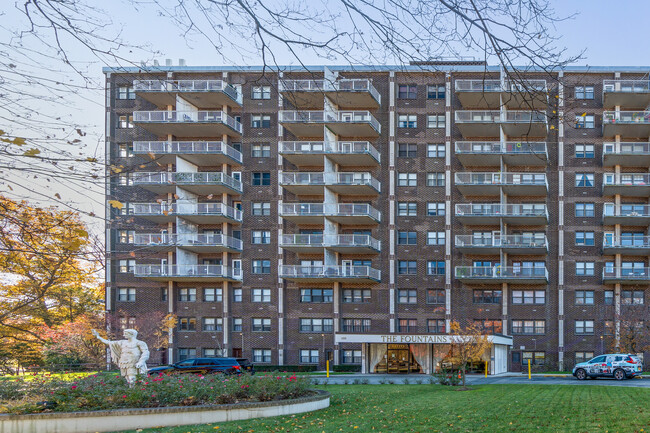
x=327 y=363
x=529 y=369
x=487 y=363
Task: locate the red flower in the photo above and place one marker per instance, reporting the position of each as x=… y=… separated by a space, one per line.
x=123 y=396
x=74 y=387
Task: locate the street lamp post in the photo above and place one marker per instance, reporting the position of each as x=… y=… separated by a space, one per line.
x=323 y=338
x=601 y=345
x=242 y=343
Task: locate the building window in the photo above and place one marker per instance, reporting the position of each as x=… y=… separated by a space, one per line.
x=586 y=121
x=308 y=356
x=261 y=267
x=436 y=326
x=316 y=295
x=628 y=297
x=487 y=296
x=261 y=178
x=238 y=295
x=261 y=150
x=405 y=208
x=435 y=92
x=261 y=237
x=583 y=356
x=585 y=238
x=536 y=358
x=125 y=92
x=125 y=122
x=355 y=325
x=407 y=121
x=262 y=356
x=528 y=326
x=407 y=267
x=186 y=353
x=585 y=268
x=407 y=150
x=584 y=92
x=609 y=297
x=608 y=327
x=187 y=324
x=126 y=236
x=210 y=352
x=237 y=324
x=436 y=296
x=127 y=265
x=356 y=296
x=435 y=209
x=407 y=91
x=261 y=92
x=488 y=326
x=261 y=208
x=436 y=179
x=584 y=179
x=126 y=295
x=212 y=295
x=260 y=121
x=406 y=238
x=584 y=150
x=436 y=121
x=261 y=295
x=316 y=325
x=261 y=324
x=124 y=179
x=584 y=297
x=407 y=296
x=351 y=357
x=125 y=150
x=436 y=150
x=127 y=322
x=436 y=238
x=164 y=294
x=435 y=267
x=186 y=295
x=213 y=324
x=584 y=326
x=523 y=297
x=407 y=179
x=584 y=209
x=407 y=325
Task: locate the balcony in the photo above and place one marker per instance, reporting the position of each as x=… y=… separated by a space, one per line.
x=490 y=184
x=201 y=183
x=493 y=213
x=358 y=124
x=188 y=123
x=514 y=244
x=626 y=275
x=627 y=245
x=341 y=213
x=626 y=93
x=626 y=154
x=342 y=243
x=195 y=242
x=492 y=93
x=501 y=274
x=627 y=184
x=626 y=214
x=489 y=153
x=206 y=153
x=313 y=183
x=200 y=93
x=343 y=153
x=318 y=274
x=488 y=123
x=188 y=273
x=345 y=93
x=196 y=213
x=627 y=124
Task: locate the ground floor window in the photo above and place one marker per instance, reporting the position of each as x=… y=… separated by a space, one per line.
x=536 y=358
x=351 y=357
x=185 y=353
x=308 y=356
x=262 y=355
x=583 y=356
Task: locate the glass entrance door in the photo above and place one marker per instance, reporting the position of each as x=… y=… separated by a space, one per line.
x=399 y=360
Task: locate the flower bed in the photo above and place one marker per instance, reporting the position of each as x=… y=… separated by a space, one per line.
x=106 y=392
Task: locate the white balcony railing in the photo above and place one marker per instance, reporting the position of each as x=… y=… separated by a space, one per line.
x=187 y=239
x=180 y=271
x=320 y=209
x=186 y=86
x=500 y=272
x=343 y=240
x=626 y=273
x=478 y=178
x=299 y=271
x=626 y=117
x=497 y=86
x=189 y=117
x=322 y=147
x=623 y=241
x=316 y=116
x=337 y=178
x=186 y=148
x=626 y=179
x=186 y=178
x=626 y=210
x=627 y=148
x=497 y=148
x=626 y=86
x=497 y=209
x=180 y=209
x=505 y=241
x=343 y=85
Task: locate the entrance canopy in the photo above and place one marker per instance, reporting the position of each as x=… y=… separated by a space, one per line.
x=408 y=338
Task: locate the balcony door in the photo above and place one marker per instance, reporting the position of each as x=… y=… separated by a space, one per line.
x=632 y=239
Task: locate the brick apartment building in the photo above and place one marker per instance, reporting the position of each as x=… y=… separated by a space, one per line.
x=350 y=214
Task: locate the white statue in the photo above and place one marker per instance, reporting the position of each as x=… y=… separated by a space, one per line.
x=130 y=355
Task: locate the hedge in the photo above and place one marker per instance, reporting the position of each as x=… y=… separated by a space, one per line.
x=347 y=368
x=291 y=368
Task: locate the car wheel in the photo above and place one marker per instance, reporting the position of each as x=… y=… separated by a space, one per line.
x=619 y=374
x=581 y=374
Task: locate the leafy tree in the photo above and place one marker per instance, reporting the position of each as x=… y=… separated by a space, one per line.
x=467 y=344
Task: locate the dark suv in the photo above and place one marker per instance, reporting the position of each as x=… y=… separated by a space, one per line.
x=246 y=365
x=200 y=365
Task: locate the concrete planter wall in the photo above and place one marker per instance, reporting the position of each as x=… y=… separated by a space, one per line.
x=131 y=419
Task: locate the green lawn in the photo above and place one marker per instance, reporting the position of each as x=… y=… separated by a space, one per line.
x=487 y=408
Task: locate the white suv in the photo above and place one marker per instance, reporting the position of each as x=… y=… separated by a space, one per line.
x=617 y=365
